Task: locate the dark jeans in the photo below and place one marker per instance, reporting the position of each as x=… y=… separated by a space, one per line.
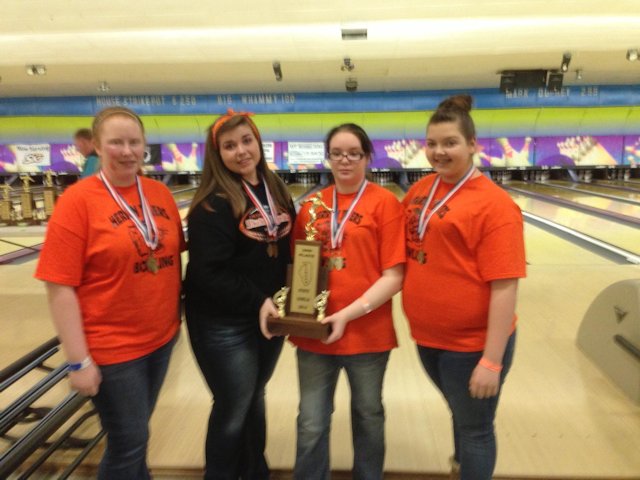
x=125 y=401
x=237 y=362
x=473 y=429
x=318 y=377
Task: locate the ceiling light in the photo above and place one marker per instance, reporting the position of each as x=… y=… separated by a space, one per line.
x=632 y=54
x=104 y=87
x=351 y=84
x=354 y=34
x=579 y=73
x=277 y=71
x=36 y=70
x=566 y=60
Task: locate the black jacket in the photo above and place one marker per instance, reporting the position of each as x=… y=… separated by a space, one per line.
x=230 y=272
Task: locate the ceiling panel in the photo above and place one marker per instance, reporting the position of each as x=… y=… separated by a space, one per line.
x=165 y=46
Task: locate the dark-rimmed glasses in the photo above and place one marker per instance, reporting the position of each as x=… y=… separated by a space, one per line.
x=352 y=157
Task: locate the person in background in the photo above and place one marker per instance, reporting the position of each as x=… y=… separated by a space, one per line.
x=465 y=254
x=83 y=141
x=111 y=263
x=239 y=226
x=363 y=248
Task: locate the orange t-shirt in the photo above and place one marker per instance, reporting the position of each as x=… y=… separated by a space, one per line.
x=373 y=241
x=93 y=246
x=476 y=237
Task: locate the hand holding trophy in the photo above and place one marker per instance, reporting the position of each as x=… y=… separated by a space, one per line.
x=306 y=286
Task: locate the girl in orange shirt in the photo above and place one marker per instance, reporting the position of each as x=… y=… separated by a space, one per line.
x=111 y=263
x=465 y=254
x=363 y=247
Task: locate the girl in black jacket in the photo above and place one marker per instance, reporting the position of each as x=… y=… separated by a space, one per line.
x=239 y=224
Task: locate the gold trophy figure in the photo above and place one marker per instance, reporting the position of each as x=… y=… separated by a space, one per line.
x=49 y=193
x=27 y=204
x=309 y=229
x=6 y=206
x=306 y=290
x=26 y=180
x=320 y=303
x=280 y=299
x=48 y=178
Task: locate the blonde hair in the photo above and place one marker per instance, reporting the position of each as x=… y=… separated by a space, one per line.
x=110 y=112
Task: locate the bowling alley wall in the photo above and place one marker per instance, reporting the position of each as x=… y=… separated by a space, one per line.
x=578 y=126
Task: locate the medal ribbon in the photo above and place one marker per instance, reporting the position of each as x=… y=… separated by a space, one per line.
x=147 y=228
x=423 y=221
x=271 y=218
x=337 y=228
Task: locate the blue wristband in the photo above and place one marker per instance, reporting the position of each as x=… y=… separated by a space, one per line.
x=74 y=367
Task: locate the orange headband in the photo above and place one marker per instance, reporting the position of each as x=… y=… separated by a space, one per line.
x=228 y=116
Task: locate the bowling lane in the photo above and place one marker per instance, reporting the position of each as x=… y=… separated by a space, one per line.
x=597 y=188
x=184 y=194
x=395 y=189
x=25 y=313
x=619 y=235
x=633 y=183
x=298 y=190
x=11 y=243
x=582 y=198
x=545 y=248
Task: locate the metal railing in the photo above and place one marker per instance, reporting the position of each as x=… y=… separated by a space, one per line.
x=50 y=422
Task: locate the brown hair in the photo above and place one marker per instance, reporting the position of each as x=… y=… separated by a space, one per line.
x=360 y=134
x=456 y=109
x=219 y=180
x=84 y=133
x=357 y=131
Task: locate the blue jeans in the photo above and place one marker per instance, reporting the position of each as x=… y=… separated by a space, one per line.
x=236 y=361
x=318 y=377
x=473 y=429
x=125 y=401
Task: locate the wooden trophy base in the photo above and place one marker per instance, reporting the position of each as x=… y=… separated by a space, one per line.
x=299 y=326
x=49 y=200
x=28 y=211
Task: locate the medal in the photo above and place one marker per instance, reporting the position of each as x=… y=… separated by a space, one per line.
x=147 y=227
x=152 y=264
x=270 y=217
x=336 y=263
x=338 y=227
x=426 y=214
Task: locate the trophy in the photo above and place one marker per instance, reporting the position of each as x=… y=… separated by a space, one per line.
x=49 y=194
x=302 y=303
x=26 y=202
x=6 y=206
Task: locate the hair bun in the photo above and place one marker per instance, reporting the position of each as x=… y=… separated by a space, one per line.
x=457 y=103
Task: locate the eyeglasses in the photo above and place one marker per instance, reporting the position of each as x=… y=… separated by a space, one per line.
x=350 y=156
